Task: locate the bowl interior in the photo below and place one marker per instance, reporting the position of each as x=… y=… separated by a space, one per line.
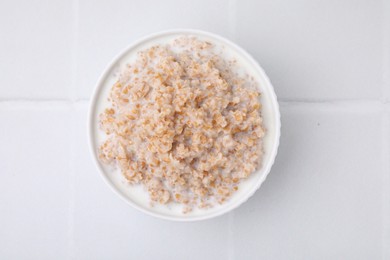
x=135 y=195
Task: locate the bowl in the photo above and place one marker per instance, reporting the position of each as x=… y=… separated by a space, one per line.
x=135 y=195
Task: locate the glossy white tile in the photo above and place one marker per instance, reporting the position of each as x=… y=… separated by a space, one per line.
x=323 y=199
x=34 y=183
x=316 y=50
x=106 y=224
x=107 y=27
x=35 y=49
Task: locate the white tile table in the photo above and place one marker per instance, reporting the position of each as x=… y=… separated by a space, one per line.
x=328 y=195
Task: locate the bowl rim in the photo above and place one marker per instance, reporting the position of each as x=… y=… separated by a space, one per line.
x=92 y=107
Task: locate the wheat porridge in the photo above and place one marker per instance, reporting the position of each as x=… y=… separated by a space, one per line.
x=184 y=124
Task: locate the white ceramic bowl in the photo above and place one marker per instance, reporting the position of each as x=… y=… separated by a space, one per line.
x=270 y=113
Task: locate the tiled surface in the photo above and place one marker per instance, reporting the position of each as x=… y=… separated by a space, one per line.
x=99 y=40
x=325 y=191
x=35 y=49
x=116 y=231
x=328 y=195
x=316 y=49
x=34 y=182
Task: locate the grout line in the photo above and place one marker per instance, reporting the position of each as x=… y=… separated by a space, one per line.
x=72 y=102
x=386 y=185
x=67 y=103
x=331 y=101
x=33 y=99
x=39 y=100
x=350 y=107
x=232 y=14
x=72 y=180
x=386 y=52
x=280 y=100
x=230 y=241
x=75 y=41
x=345 y=104
x=40 y=104
x=386 y=130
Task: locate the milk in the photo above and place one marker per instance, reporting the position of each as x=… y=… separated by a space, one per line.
x=137 y=194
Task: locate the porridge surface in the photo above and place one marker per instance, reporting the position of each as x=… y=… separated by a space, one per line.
x=183 y=124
